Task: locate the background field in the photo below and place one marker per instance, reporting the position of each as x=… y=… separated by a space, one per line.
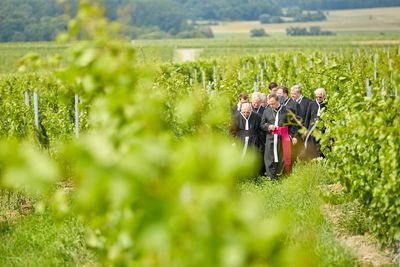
x=356 y=27
x=351 y=20
x=225 y=45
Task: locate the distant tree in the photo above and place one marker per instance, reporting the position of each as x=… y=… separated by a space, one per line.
x=310 y=16
x=295 y=31
x=258 y=32
x=294 y=11
x=299 y=31
x=315 y=30
x=265 y=18
x=167 y=15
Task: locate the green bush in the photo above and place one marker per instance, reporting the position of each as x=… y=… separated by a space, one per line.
x=258 y=32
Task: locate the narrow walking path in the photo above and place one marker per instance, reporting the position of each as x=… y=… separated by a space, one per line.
x=364 y=246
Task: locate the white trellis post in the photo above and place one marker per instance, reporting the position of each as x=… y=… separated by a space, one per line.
x=369 y=91
x=36 y=109
x=26 y=98
x=76 y=116
x=215 y=76
x=203 y=78
x=209 y=87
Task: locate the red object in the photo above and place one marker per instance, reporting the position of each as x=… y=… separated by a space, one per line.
x=286 y=147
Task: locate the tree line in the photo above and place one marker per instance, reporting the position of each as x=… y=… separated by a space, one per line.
x=41 y=20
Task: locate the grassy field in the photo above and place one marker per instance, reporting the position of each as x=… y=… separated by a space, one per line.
x=154 y=52
x=12 y=52
x=353 y=20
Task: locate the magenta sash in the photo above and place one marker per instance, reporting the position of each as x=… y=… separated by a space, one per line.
x=286 y=146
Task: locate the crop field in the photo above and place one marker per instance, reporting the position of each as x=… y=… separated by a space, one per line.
x=353 y=20
x=157 y=52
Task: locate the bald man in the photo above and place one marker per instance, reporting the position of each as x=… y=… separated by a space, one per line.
x=246 y=128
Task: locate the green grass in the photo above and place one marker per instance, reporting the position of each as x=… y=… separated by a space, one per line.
x=41 y=240
x=154 y=52
x=299 y=196
x=12 y=52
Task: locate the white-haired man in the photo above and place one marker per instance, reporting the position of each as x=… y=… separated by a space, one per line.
x=304 y=102
x=256 y=103
x=314 y=111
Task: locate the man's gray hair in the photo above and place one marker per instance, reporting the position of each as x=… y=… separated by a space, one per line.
x=320 y=90
x=256 y=95
x=297 y=87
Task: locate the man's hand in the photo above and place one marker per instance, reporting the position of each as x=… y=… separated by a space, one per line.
x=294 y=140
x=272 y=127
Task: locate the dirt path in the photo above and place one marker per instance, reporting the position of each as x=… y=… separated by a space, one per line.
x=184 y=54
x=365 y=247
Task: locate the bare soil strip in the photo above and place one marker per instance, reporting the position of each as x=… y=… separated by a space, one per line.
x=365 y=247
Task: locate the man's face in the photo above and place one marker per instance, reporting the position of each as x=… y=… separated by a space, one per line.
x=319 y=96
x=256 y=102
x=264 y=101
x=295 y=94
x=279 y=92
x=246 y=111
x=273 y=103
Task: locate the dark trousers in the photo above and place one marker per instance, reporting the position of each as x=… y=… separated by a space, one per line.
x=273 y=169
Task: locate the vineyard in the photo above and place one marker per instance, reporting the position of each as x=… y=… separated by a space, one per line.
x=138 y=162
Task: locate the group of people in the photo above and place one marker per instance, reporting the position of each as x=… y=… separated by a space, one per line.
x=278 y=127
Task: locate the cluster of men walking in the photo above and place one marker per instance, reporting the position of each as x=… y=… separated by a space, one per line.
x=270 y=125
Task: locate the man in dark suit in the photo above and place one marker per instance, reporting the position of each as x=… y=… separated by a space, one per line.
x=294 y=113
x=313 y=116
x=303 y=101
x=274 y=119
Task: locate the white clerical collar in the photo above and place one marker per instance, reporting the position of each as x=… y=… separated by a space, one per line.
x=245 y=117
x=286 y=101
x=278 y=109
